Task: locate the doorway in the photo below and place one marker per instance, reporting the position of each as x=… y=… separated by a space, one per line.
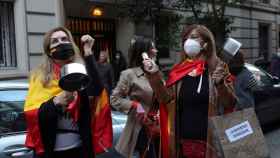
x=264 y=41
x=278 y=36
x=264 y=46
x=102 y=30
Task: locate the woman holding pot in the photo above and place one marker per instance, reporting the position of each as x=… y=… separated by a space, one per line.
x=59 y=122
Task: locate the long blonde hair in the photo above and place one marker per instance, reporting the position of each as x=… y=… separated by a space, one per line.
x=45 y=69
x=208 y=37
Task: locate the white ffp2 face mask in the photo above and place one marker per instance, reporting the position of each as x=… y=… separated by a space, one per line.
x=192 y=47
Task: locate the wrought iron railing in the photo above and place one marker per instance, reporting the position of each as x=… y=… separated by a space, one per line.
x=7 y=35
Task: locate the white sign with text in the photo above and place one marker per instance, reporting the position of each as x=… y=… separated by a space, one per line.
x=239 y=131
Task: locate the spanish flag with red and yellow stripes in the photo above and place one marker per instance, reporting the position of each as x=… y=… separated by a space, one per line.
x=37 y=95
x=168 y=112
x=101 y=123
x=167 y=128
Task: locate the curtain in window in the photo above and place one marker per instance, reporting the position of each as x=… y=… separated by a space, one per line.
x=7 y=35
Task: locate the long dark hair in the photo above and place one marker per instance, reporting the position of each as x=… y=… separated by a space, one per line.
x=122 y=58
x=138 y=45
x=238 y=60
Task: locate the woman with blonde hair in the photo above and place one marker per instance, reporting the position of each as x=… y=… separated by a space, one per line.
x=197 y=89
x=50 y=61
x=59 y=122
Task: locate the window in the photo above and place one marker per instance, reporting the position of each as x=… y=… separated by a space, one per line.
x=168 y=34
x=7 y=35
x=11 y=111
x=279 y=36
x=264 y=39
x=260 y=75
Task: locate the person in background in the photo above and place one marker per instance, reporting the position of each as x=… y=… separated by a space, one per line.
x=244 y=81
x=105 y=70
x=133 y=95
x=59 y=123
x=119 y=64
x=197 y=88
x=275 y=64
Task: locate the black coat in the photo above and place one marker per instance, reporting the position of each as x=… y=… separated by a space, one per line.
x=49 y=113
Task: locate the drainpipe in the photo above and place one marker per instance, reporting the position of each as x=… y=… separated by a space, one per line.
x=60 y=13
x=251 y=34
x=278 y=26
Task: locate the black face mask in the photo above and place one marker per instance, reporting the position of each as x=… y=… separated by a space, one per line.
x=63 y=51
x=235 y=70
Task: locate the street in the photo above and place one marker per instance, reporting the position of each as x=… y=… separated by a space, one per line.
x=273 y=141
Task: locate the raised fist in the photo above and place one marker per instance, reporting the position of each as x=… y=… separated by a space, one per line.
x=88 y=43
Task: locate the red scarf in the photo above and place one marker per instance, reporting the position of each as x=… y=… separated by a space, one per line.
x=188 y=67
x=73 y=108
x=56 y=70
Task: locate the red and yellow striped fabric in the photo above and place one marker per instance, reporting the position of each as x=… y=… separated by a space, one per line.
x=167 y=112
x=37 y=94
x=167 y=127
x=101 y=124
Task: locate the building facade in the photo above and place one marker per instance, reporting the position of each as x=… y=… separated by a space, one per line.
x=257 y=26
x=24 y=23
x=22 y=33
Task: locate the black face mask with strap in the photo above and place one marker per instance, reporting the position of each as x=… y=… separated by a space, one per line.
x=235 y=70
x=62 y=51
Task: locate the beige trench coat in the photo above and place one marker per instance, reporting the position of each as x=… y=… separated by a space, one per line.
x=132 y=86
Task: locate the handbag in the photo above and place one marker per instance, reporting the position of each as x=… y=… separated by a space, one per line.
x=238 y=134
x=151 y=121
x=151 y=124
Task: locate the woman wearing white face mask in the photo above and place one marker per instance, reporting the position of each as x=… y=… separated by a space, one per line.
x=197 y=88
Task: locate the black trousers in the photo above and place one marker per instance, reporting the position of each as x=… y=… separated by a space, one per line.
x=71 y=153
x=151 y=148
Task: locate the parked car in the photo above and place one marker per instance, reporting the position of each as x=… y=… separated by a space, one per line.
x=267 y=96
x=13 y=126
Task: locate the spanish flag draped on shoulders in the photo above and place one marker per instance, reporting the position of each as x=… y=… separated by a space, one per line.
x=37 y=95
x=167 y=112
x=167 y=95
x=99 y=127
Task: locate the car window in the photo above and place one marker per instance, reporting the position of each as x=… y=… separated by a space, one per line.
x=118 y=118
x=260 y=75
x=11 y=111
